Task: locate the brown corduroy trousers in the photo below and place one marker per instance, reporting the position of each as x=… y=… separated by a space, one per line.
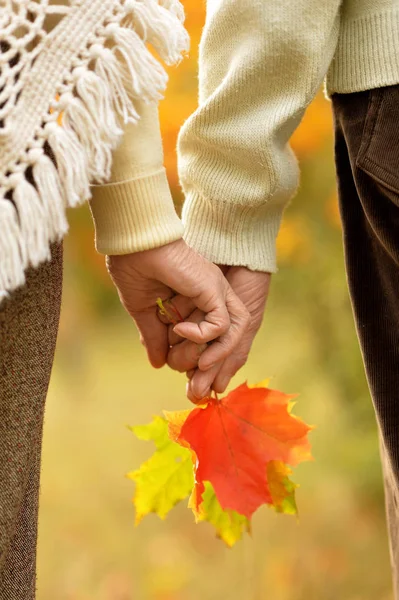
x=28 y=332
x=367 y=158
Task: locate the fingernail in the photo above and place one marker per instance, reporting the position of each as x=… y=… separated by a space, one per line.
x=176 y=330
x=203 y=393
x=193 y=397
x=190 y=395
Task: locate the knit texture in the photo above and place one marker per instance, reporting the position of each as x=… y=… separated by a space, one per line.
x=261 y=64
x=67 y=90
x=367 y=54
x=135 y=210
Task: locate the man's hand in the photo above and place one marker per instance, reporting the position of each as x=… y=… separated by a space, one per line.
x=143 y=277
x=252 y=288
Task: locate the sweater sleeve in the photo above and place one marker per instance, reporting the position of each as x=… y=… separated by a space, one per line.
x=261 y=64
x=135 y=210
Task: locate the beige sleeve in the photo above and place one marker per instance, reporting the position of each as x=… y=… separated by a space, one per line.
x=135 y=210
x=261 y=63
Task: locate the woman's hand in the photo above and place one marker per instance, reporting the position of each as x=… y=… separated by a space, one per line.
x=143 y=277
x=252 y=288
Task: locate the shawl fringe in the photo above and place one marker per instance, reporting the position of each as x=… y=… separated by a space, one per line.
x=83 y=129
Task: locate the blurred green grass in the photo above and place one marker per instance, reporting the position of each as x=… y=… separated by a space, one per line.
x=89 y=548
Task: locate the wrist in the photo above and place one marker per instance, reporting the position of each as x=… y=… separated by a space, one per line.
x=153 y=260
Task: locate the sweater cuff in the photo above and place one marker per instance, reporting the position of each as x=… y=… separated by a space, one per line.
x=231 y=234
x=134 y=215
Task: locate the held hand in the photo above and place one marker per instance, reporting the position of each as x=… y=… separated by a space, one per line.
x=143 y=277
x=252 y=288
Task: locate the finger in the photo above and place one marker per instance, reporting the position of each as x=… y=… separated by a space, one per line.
x=185 y=356
x=210 y=292
x=207 y=287
x=215 y=324
x=196 y=317
x=200 y=384
x=224 y=346
x=227 y=371
x=217 y=378
x=154 y=336
x=178 y=308
x=190 y=373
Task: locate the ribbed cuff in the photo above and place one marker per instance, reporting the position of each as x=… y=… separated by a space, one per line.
x=231 y=234
x=367 y=55
x=134 y=215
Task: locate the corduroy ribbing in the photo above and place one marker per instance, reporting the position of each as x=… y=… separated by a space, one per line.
x=124 y=225
x=233 y=234
x=367 y=54
x=364 y=125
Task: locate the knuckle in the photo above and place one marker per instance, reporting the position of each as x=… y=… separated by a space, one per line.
x=175 y=365
x=246 y=318
x=185 y=356
x=223 y=326
x=223 y=345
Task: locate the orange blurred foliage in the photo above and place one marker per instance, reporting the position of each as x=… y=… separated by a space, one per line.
x=181 y=97
x=315 y=128
x=294 y=242
x=332 y=211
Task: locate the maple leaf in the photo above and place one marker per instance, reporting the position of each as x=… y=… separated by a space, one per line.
x=231 y=454
x=282 y=489
x=229 y=525
x=161 y=484
x=235 y=439
x=166 y=477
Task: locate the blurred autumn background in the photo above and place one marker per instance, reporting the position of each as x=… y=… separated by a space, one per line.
x=89 y=548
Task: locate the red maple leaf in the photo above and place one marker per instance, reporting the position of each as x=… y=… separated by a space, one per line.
x=235 y=438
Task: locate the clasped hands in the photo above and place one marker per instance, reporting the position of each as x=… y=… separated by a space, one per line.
x=220 y=309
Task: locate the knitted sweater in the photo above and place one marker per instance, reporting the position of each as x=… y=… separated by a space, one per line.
x=261 y=64
x=73 y=74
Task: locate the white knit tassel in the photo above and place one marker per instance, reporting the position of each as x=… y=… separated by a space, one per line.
x=96 y=95
x=78 y=120
x=71 y=163
x=175 y=7
x=160 y=27
x=32 y=222
x=109 y=69
x=12 y=274
x=146 y=75
x=50 y=191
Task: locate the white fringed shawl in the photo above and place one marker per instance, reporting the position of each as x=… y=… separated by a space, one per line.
x=65 y=93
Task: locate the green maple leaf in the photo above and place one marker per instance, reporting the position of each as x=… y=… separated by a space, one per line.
x=166 y=477
x=229 y=524
x=282 y=488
